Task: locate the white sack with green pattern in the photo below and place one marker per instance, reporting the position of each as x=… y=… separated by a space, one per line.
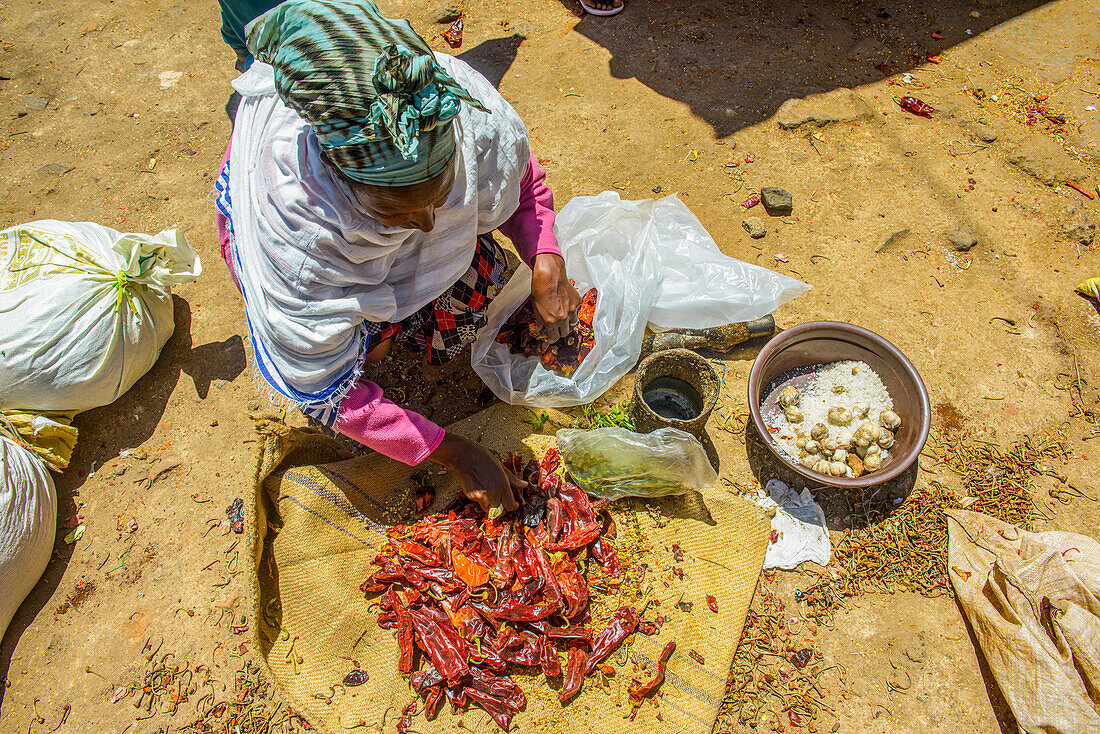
x=84 y=311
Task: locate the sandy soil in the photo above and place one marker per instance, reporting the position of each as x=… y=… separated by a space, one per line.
x=114 y=113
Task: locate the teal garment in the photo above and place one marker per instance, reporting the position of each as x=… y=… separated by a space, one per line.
x=236 y=14
x=370 y=87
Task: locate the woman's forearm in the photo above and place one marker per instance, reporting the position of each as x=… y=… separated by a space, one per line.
x=531 y=226
x=381 y=424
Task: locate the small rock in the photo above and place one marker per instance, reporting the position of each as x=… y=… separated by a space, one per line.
x=755 y=227
x=214 y=423
x=776 y=200
x=961 y=238
x=892 y=239
x=838 y=105
x=980 y=132
x=56 y=169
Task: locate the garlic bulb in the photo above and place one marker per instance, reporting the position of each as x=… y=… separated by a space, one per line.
x=821 y=467
x=800 y=442
x=840 y=455
x=794 y=415
x=789 y=396
x=839 y=416
x=838 y=469
x=812 y=447
x=808 y=460
x=819 y=432
x=886 y=440
x=872 y=462
x=861 y=409
x=844 y=440
x=874 y=449
x=890 y=420
x=829 y=445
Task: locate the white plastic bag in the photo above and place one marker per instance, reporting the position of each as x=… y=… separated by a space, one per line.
x=799 y=524
x=84 y=311
x=651 y=261
x=28 y=516
x=613 y=462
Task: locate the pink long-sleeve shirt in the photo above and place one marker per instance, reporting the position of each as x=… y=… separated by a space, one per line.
x=380 y=424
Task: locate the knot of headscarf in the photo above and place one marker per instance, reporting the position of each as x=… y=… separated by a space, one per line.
x=378 y=102
x=415 y=95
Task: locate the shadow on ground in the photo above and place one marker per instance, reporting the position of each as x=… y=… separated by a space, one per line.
x=734 y=62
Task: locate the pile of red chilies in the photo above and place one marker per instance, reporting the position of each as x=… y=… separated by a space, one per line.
x=470 y=596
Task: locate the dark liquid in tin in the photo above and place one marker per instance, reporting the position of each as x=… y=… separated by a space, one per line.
x=672 y=398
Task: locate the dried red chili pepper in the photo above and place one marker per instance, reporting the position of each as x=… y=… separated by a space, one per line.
x=577 y=538
x=515 y=612
x=356 y=678
x=486 y=602
x=411 y=549
x=472 y=573
x=548 y=464
x=623 y=622
x=548 y=658
x=696 y=657
x=407 y=714
x=638 y=692
x=712 y=603
x=433 y=701
x=606 y=557
x=750 y=202
x=915 y=106
x=576 y=667
x=442 y=646
x=574 y=589
x=555 y=519
x=677 y=553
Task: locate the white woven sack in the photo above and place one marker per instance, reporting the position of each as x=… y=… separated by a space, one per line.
x=84 y=311
x=28 y=518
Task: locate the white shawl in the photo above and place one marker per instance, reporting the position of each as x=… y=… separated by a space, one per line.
x=313 y=266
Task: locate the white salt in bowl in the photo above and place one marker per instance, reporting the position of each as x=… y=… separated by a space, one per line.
x=788 y=359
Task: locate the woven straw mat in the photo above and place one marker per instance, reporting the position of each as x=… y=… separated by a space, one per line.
x=319 y=517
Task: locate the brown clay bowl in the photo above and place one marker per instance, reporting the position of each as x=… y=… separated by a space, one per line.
x=822 y=342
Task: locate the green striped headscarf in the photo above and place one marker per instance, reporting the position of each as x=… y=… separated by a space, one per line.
x=370 y=88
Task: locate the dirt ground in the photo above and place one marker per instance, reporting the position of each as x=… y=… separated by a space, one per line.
x=114 y=113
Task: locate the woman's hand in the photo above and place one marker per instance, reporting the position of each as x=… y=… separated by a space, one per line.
x=555 y=300
x=483 y=478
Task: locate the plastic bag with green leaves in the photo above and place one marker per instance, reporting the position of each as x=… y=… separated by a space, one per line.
x=612 y=463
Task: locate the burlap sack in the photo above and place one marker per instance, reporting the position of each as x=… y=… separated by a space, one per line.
x=316 y=526
x=1033 y=601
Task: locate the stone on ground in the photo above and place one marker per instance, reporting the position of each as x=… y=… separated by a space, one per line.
x=755 y=227
x=961 y=238
x=776 y=200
